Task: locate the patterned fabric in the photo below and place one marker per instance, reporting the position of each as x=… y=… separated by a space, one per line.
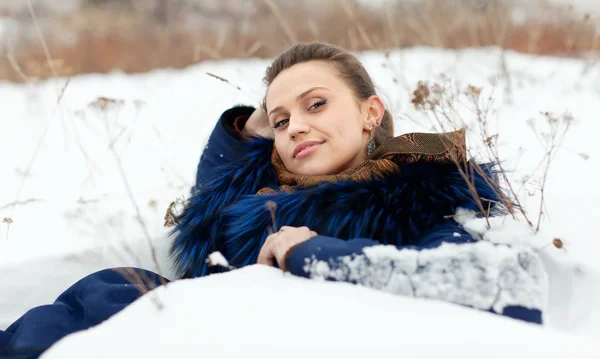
x=442 y=148
x=227 y=215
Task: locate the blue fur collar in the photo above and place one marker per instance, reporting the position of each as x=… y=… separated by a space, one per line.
x=228 y=216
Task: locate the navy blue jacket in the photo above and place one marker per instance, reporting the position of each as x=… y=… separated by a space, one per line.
x=369 y=236
x=85 y=304
x=407 y=212
x=224 y=145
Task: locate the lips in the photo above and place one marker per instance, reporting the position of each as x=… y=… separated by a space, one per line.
x=306 y=148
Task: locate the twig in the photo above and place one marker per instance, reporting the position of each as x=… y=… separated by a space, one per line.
x=213 y=53
x=20 y=203
x=145 y=284
x=140 y=280
x=31 y=161
x=46 y=129
x=8 y=222
x=506 y=75
x=390 y=14
x=232 y=85
x=272 y=207
x=492 y=148
x=168 y=163
x=14 y=64
x=253 y=49
x=555 y=141
x=437 y=101
x=41 y=37
x=88 y=160
x=132 y=199
x=62 y=91
x=284 y=24
x=45 y=132
x=360 y=29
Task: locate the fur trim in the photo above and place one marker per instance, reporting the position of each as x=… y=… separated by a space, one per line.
x=201 y=218
x=397 y=209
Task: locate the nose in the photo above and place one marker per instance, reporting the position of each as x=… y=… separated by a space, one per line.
x=297 y=125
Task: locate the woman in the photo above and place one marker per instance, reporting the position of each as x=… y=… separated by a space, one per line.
x=315 y=184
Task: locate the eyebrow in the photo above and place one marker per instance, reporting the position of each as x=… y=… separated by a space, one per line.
x=299 y=97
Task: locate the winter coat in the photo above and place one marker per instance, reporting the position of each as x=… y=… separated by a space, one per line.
x=394 y=234
x=390 y=235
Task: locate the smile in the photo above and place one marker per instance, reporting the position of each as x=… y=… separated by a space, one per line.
x=306 y=148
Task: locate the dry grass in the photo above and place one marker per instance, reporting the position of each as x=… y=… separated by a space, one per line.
x=440 y=102
x=138 y=41
x=190 y=31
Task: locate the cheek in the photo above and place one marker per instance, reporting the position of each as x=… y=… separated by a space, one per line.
x=284 y=149
x=348 y=129
x=280 y=146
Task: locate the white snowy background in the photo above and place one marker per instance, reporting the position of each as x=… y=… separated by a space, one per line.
x=66 y=168
x=74 y=180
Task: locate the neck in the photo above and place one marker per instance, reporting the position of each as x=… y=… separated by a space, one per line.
x=361 y=156
x=356 y=161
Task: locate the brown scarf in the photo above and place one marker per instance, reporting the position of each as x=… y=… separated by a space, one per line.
x=443 y=148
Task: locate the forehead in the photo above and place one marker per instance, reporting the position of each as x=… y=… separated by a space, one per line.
x=301 y=77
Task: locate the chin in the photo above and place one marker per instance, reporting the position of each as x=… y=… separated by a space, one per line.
x=314 y=167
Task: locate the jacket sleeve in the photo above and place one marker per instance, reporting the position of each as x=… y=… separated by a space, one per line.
x=87 y=303
x=225 y=144
x=448 y=265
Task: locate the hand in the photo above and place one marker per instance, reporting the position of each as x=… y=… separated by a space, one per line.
x=258 y=125
x=278 y=244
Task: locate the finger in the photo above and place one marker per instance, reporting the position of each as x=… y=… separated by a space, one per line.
x=281 y=263
x=265 y=256
x=280 y=248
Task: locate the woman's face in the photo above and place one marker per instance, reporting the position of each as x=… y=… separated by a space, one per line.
x=319 y=125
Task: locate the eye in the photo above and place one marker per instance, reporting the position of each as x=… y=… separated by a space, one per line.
x=317 y=104
x=281 y=123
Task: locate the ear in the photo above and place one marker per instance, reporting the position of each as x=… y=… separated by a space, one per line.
x=374 y=110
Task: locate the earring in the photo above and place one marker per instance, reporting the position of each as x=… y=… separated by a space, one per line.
x=371 y=145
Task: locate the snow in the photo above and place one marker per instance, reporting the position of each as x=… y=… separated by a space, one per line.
x=511 y=276
x=299 y=318
x=86 y=179
x=218 y=259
